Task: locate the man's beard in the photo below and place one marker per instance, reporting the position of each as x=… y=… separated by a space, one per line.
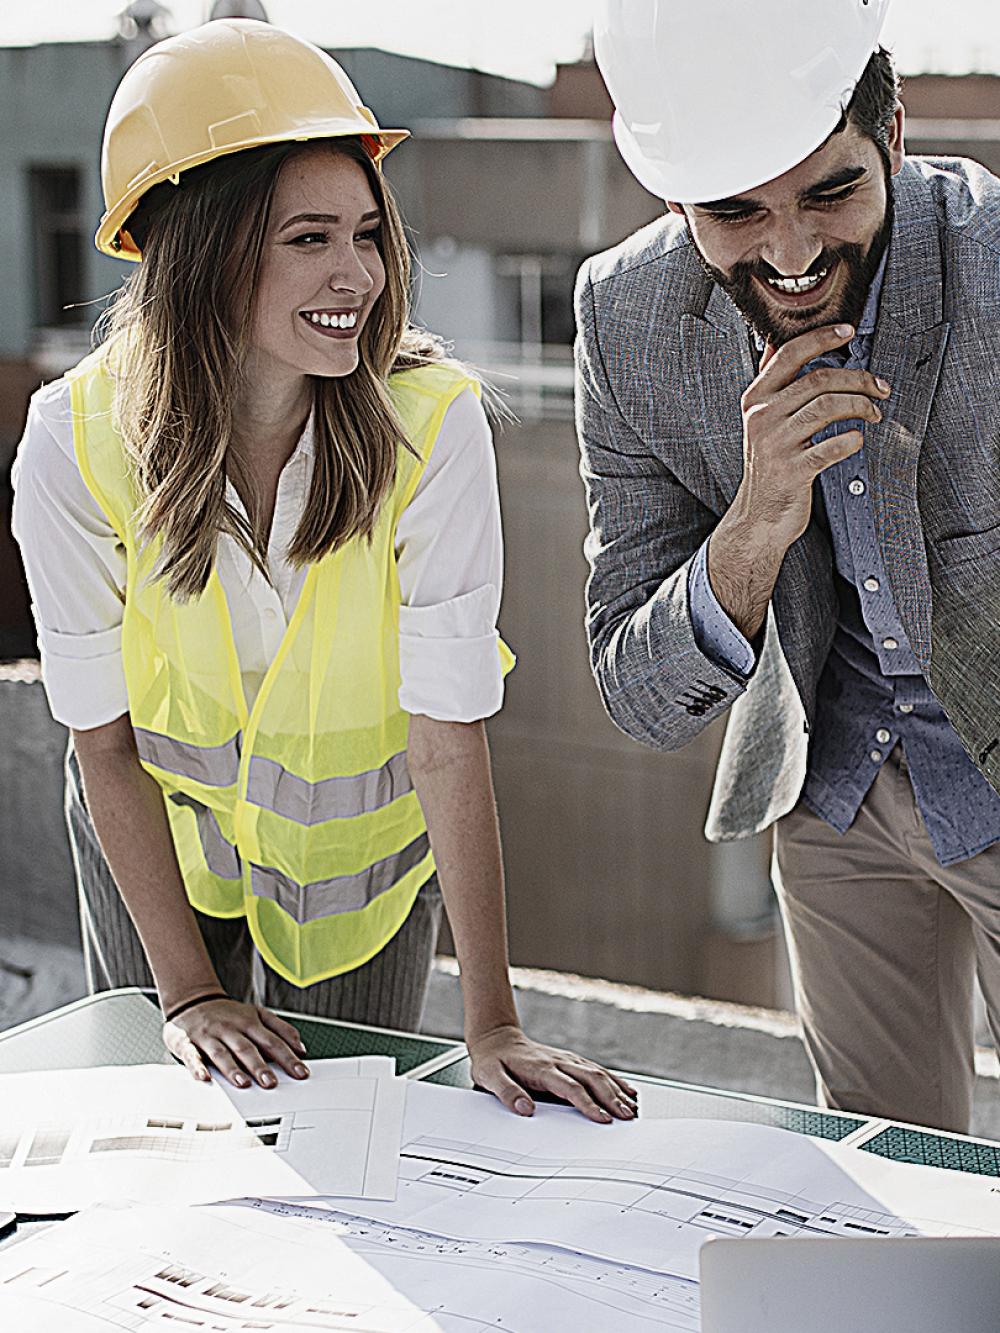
x=740 y=284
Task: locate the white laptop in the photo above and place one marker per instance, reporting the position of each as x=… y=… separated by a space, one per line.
x=918 y=1284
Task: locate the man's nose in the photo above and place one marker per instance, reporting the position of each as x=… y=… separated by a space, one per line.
x=791 y=248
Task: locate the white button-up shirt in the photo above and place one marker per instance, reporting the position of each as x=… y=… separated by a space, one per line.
x=449 y=555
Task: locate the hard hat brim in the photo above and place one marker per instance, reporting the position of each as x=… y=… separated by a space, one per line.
x=703 y=182
x=112 y=241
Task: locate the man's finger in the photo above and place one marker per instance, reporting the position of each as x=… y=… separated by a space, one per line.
x=831 y=407
x=833 y=380
x=783 y=367
x=834 y=450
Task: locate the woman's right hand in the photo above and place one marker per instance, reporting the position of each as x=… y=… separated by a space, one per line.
x=238 y=1039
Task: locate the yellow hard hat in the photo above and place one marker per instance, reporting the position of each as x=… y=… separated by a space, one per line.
x=228 y=85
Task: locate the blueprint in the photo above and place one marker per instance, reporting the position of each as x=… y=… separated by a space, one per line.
x=502 y=1224
x=69 y=1138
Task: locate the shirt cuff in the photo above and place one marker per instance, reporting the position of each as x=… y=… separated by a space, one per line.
x=84 y=677
x=714 y=633
x=449 y=658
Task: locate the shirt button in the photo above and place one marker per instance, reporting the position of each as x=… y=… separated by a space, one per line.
x=875 y=756
x=882 y=736
x=270 y=613
x=856 y=487
x=906 y=708
x=872 y=585
x=890 y=644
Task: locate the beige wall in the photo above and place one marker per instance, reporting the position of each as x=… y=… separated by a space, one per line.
x=608 y=870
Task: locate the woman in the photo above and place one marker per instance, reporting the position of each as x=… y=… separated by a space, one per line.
x=261 y=532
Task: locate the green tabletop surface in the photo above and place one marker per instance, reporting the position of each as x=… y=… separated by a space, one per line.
x=904 y=1143
x=123 y=1028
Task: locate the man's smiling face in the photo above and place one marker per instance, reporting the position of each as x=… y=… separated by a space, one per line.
x=800 y=251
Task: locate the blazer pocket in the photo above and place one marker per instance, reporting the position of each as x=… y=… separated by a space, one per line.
x=967 y=546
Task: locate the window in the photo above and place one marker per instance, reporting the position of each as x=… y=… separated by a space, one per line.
x=58 y=230
x=541 y=292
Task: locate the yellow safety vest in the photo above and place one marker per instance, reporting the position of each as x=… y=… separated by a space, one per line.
x=298 y=813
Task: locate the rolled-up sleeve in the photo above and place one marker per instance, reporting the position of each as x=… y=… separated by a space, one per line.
x=75 y=567
x=715 y=634
x=449 y=551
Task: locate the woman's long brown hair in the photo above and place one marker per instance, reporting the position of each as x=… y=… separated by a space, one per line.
x=182 y=327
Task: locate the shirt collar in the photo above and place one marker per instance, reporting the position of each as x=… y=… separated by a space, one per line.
x=866 y=325
x=306 y=446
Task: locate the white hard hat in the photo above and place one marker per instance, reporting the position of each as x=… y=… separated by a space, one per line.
x=714 y=97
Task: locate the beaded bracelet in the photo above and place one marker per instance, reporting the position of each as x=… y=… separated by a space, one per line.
x=179 y=1009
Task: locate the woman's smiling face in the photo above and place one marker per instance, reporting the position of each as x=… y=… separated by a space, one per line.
x=321 y=270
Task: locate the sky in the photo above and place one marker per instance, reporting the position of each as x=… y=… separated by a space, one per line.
x=521 y=39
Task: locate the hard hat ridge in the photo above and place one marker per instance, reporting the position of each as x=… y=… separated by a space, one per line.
x=713 y=97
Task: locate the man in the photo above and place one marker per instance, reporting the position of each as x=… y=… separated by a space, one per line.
x=789 y=419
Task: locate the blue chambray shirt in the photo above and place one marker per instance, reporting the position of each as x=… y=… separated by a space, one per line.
x=871 y=694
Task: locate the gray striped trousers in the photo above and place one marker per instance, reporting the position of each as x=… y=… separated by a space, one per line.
x=388 y=991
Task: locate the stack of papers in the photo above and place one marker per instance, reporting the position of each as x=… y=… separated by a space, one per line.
x=150 y=1133
x=499 y=1223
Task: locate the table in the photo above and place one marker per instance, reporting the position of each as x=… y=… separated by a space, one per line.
x=122 y=1027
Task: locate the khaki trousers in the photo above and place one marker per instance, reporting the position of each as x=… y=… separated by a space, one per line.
x=884 y=944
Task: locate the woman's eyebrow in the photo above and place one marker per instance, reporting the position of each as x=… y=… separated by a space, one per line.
x=373 y=216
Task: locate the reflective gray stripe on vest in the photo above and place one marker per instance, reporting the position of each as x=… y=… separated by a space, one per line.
x=211 y=765
x=220 y=856
x=271 y=786
x=345 y=893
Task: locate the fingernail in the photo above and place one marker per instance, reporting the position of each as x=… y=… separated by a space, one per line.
x=267 y=1080
x=606 y=1116
x=242 y=1081
x=300 y=1071
x=884 y=385
x=627 y=1111
x=844 y=330
x=523 y=1107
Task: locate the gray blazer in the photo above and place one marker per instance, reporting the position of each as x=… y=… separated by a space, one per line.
x=663 y=357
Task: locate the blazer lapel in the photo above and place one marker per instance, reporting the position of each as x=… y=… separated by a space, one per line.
x=908 y=351
x=716 y=367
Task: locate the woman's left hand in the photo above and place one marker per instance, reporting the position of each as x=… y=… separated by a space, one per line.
x=511 y=1065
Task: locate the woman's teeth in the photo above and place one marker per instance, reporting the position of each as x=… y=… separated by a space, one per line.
x=333 y=321
x=794 y=286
